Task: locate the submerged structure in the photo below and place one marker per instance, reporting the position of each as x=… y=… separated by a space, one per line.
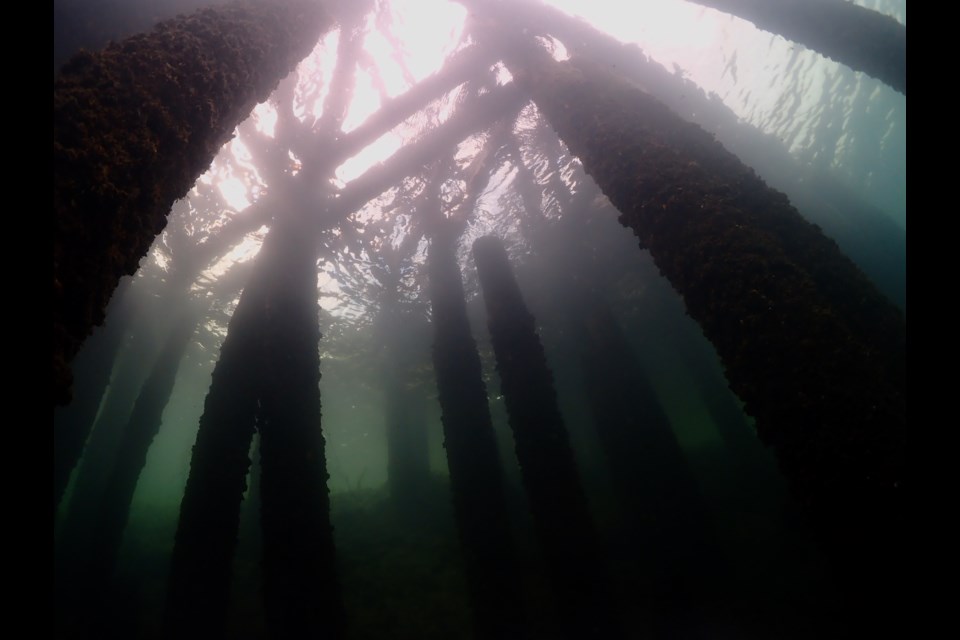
x=704 y=434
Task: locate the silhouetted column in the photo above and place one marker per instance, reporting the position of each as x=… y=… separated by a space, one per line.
x=668 y=520
x=267 y=376
x=860 y=38
x=135 y=125
x=815 y=352
x=142 y=427
x=408 y=460
x=99 y=455
x=301 y=587
x=72 y=424
x=408 y=464
x=201 y=565
x=557 y=502
x=472 y=456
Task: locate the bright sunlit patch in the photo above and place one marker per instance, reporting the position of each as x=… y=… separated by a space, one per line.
x=246 y=250
x=428 y=30
x=503 y=75
x=265 y=118
x=685 y=36
x=383 y=52
x=555 y=47
x=670 y=25
x=234 y=192
x=366 y=102
x=329 y=289
x=314 y=73
x=295 y=165
x=163 y=261
x=385 y=146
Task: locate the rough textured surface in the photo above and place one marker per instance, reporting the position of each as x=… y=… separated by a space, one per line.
x=91 y=24
x=301 y=585
x=864 y=233
x=868 y=236
x=266 y=377
x=815 y=352
x=201 y=563
x=135 y=125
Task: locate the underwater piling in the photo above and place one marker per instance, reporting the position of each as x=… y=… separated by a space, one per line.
x=142 y=427
x=667 y=517
x=267 y=377
x=72 y=424
x=135 y=125
x=301 y=584
x=557 y=501
x=408 y=464
x=476 y=472
x=817 y=354
x=861 y=38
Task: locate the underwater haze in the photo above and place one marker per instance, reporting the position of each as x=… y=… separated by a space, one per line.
x=405 y=314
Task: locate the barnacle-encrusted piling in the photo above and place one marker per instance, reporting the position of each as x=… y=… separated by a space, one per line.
x=267 y=377
x=134 y=126
x=817 y=354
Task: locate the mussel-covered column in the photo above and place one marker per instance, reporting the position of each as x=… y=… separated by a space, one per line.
x=471 y=448
x=267 y=376
x=557 y=501
x=301 y=586
x=134 y=126
x=815 y=352
x=200 y=572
